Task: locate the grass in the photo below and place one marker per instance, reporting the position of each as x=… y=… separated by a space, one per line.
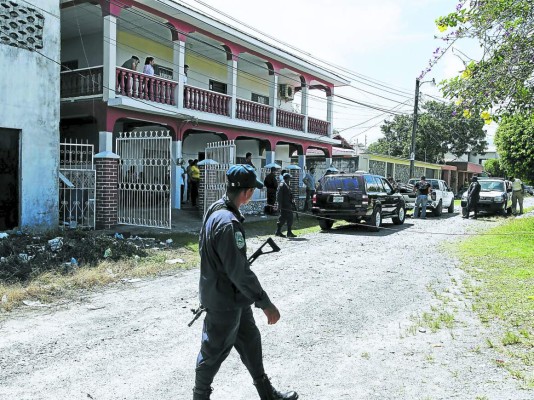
x=502 y=266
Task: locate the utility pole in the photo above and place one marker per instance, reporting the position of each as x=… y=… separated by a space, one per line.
x=414 y=129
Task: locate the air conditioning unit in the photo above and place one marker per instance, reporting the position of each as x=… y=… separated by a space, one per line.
x=286 y=92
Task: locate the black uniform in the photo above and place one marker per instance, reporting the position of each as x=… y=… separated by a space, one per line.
x=284 y=197
x=473 y=196
x=228 y=288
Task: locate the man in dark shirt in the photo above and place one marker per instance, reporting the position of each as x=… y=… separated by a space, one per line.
x=228 y=287
x=422 y=189
x=284 y=198
x=271 y=183
x=473 y=196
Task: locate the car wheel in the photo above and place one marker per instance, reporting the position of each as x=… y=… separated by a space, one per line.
x=502 y=210
x=401 y=216
x=326 y=224
x=464 y=212
x=438 y=210
x=376 y=219
x=450 y=210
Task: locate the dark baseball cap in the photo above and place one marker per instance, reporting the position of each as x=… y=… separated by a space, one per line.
x=286 y=176
x=244 y=176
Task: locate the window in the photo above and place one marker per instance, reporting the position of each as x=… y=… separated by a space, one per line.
x=164 y=72
x=387 y=186
x=379 y=185
x=371 y=184
x=335 y=184
x=258 y=98
x=218 y=87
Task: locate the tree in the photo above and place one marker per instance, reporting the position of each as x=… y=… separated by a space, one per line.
x=493 y=167
x=515 y=144
x=441 y=128
x=502 y=81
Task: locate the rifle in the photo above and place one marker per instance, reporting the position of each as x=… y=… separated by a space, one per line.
x=274 y=249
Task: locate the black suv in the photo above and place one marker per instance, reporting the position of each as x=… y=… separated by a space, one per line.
x=356 y=197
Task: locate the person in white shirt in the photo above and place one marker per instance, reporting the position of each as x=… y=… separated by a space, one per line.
x=184 y=76
x=149 y=66
x=309 y=181
x=518 y=189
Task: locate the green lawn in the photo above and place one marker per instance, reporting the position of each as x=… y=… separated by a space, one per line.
x=502 y=267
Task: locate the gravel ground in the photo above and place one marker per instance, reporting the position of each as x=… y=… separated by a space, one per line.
x=348 y=298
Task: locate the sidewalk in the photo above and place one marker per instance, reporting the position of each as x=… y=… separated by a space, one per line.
x=186 y=220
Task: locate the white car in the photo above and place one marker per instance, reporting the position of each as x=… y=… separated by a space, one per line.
x=440 y=197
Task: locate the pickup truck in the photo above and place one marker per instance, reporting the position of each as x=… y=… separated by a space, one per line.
x=440 y=197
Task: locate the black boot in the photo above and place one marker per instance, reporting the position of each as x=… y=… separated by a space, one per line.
x=279 y=231
x=201 y=394
x=267 y=392
x=290 y=233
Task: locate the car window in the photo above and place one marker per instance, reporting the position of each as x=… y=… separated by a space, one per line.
x=435 y=184
x=335 y=183
x=492 y=185
x=379 y=184
x=370 y=183
x=387 y=185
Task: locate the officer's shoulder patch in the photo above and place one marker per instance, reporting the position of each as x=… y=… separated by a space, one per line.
x=239 y=240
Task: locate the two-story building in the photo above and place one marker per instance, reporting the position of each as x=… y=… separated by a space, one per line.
x=237 y=87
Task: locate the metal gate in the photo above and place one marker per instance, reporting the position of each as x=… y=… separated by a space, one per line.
x=145 y=178
x=214 y=175
x=77 y=185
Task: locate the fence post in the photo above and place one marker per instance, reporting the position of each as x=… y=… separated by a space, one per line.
x=107 y=189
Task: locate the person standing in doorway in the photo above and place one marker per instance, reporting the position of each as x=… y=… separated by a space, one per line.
x=309 y=182
x=195 y=181
x=180 y=173
x=184 y=76
x=473 y=196
x=284 y=198
x=518 y=191
x=228 y=288
x=271 y=183
x=422 y=189
x=188 y=179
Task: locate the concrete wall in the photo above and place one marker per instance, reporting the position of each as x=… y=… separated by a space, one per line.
x=30 y=104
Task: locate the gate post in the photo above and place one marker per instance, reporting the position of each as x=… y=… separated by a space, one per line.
x=107 y=189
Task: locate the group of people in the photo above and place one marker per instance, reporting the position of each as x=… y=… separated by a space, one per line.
x=148 y=68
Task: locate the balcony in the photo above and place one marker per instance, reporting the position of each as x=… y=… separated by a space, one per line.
x=252 y=111
x=318 y=126
x=148 y=87
x=206 y=100
x=82 y=82
x=286 y=119
x=89 y=82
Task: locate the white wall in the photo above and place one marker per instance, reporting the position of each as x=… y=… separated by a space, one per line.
x=30 y=103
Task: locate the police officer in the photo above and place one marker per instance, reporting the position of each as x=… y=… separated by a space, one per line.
x=284 y=198
x=228 y=287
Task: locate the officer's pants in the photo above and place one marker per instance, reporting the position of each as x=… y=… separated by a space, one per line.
x=517 y=197
x=223 y=330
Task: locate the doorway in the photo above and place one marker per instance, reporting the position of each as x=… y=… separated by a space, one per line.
x=9 y=178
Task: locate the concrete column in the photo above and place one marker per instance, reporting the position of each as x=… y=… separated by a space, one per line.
x=110 y=56
x=105 y=141
x=269 y=157
x=330 y=112
x=232 y=85
x=273 y=95
x=178 y=59
x=176 y=179
x=107 y=189
x=304 y=106
x=302 y=165
x=328 y=161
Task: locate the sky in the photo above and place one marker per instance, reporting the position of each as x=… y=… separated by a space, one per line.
x=387 y=43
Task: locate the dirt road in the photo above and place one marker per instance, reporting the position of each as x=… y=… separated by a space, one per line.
x=350 y=301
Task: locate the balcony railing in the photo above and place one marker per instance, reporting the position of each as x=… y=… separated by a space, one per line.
x=251 y=111
x=286 y=119
x=148 y=87
x=82 y=82
x=206 y=100
x=317 y=126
